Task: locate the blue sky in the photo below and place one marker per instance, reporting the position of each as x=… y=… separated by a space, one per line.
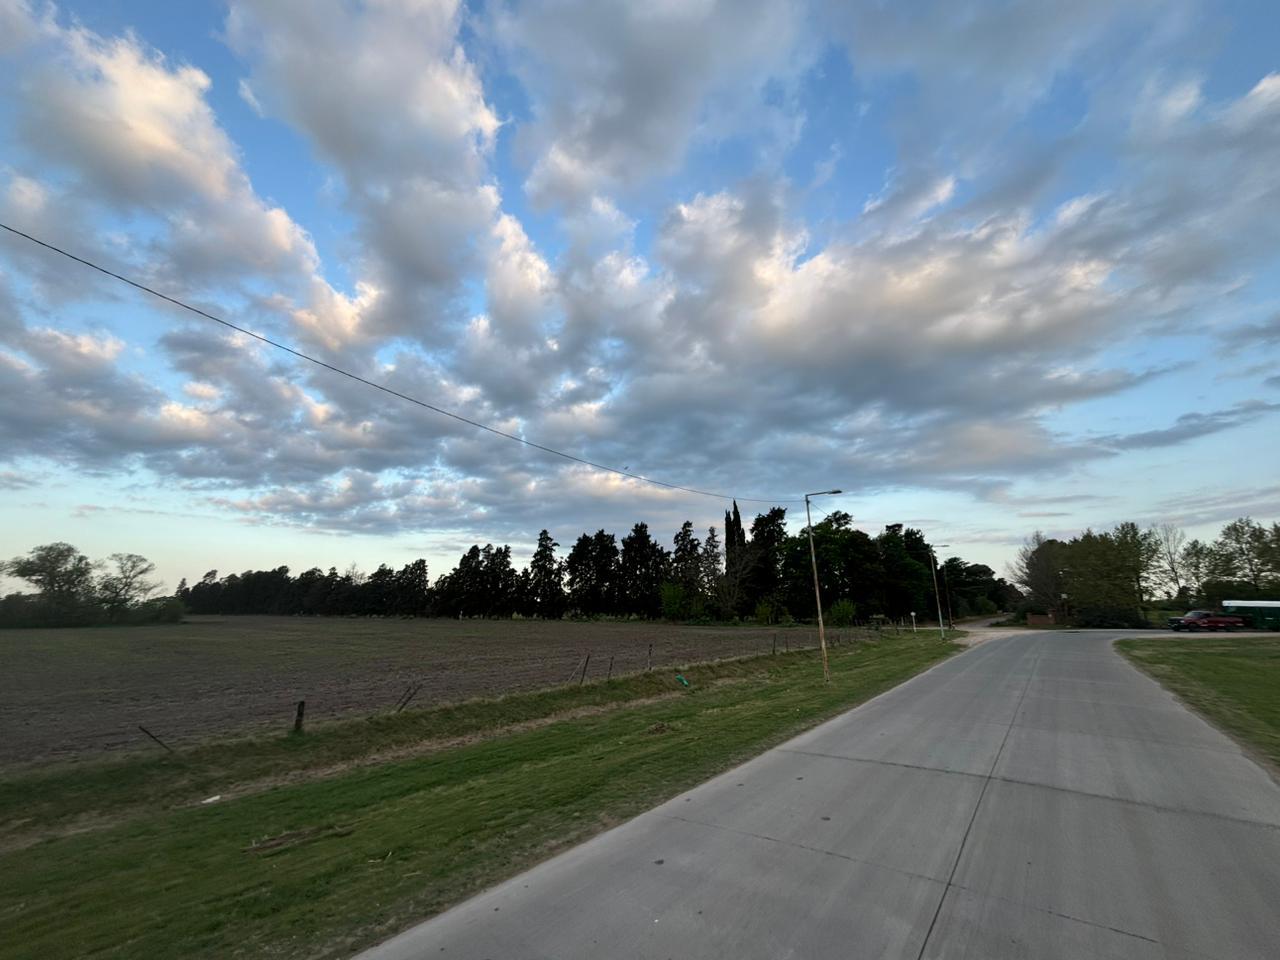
x=987 y=267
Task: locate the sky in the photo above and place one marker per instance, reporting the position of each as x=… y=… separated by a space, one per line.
x=986 y=267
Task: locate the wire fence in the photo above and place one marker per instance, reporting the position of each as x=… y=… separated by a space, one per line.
x=83 y=692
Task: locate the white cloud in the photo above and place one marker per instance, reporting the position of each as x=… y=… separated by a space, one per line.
x=18 y=26
x=711 y=338
x=620 y=89
x=385 y=93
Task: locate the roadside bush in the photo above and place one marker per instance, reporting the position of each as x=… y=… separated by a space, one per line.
x=1102 y=616
x=1029 y=604
x=33 y=610
x=765 y=612
x=842 y=613
x=674 y=601
x=161 y=610
x=25 y=610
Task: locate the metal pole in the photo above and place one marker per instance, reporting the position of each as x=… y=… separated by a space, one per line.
x=817 y=593
x=933 y=568
x=946 y=590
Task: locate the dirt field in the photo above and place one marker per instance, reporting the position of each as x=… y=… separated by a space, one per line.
x=76 y=693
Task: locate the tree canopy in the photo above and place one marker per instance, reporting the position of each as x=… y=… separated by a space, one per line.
x=1104 y=577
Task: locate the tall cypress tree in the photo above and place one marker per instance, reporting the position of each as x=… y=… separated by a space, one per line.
x=735 y=540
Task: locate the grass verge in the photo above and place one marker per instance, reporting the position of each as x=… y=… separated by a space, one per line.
x=121 y=860
x=1232 y=681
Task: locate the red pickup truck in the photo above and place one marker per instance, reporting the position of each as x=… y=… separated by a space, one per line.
x=1206 y=620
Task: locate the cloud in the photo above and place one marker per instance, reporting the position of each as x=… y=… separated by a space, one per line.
x=709 y=336
x=1189 y=426
x=18 y=26
x=139 y=134
x=1253 y=335
x=990 y=64
x=1218 y=505
x=1004 y=497
x=619 y=90
x=387 y=95
x=13 y=480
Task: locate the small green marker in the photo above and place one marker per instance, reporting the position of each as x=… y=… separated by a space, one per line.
x=680 y=677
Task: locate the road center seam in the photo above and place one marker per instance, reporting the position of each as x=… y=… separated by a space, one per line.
x=978 y=806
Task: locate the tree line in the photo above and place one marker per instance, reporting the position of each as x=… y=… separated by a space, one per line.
x=758 y=571
x=1110 y=578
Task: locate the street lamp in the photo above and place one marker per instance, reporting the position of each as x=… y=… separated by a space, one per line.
x=946 y=590
x=817 y=594
x=933 y=568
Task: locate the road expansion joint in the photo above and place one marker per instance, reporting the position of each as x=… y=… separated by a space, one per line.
x=978 y=806
x=881 y=763
x=1035 y=908
x=1143 y=804
x=1146 y=804
x=911 y=874
x=934 y=718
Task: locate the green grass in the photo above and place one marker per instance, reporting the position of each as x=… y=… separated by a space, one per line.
x=351 y=850
x=1232 y=681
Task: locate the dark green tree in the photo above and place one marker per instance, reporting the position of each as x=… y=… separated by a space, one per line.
x=591 y=571
x=412 y=591
x=686 y=561
x=908 y=584
x=62 y=574
x=711 y=564
x=644 y=567
x=546 y=580
x=500 y=581
x=1241 y=552
x=735 y=543
x=1039 y=569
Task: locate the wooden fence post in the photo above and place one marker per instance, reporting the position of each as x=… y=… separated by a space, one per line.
x=584 y=668
x=297 y=720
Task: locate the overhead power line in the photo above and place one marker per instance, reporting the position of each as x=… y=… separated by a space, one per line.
x=383 y=387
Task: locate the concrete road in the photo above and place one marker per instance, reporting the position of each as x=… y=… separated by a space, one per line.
x=1033 y=797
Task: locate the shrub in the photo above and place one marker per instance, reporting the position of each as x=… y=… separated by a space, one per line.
x=166 y=610
x=1105 y=616
x=842 y=613
x=674 y=602
x=765 y=612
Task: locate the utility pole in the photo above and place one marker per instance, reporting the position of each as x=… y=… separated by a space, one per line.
x=817 y=593
x=946 y=592
x=933 y=568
